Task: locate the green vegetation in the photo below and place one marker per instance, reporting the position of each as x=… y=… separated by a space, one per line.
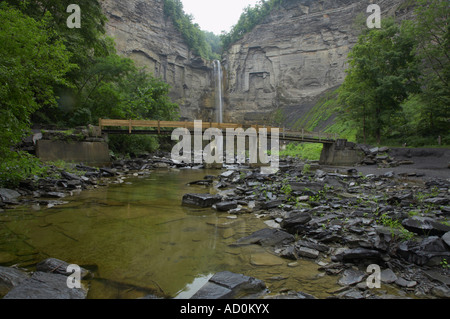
x=305 y=151
x=396 y=226
x=53 y=75
x=397 y=88
x=251 y=17
x=205 y=44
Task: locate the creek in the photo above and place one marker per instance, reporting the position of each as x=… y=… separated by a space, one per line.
x=138 y=240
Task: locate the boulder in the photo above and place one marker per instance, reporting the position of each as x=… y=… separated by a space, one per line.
x=70 y=176
x=428 y=252
x=388 y=276
x=10 y=278
x=56 y=266
x=226 y=206
x=425 y=226
x=307 y=252
x=45 y=286
x=351 y=277
x=8 y=195
x=295 y=223
x=228 y=285
x=201 y=200
x=358 y=255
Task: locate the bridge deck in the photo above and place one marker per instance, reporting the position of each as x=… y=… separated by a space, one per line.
x=141 y=127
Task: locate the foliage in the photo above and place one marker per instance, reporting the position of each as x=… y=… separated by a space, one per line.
x=31 y=64
x=195 y=38
x=431 y=29
x=396 y=225
x=19 y=166
x=383 y=71
x=132 y=145
x=251 y=17
x=306 y=151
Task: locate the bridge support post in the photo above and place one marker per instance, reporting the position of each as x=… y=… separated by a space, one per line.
x=341 y=153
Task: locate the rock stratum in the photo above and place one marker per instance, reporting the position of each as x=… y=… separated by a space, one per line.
x=145 y=34
x=295 y=56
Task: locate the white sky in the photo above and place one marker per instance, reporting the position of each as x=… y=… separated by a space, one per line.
x=216 y=15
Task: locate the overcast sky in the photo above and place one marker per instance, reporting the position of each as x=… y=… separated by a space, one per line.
x=216 y=15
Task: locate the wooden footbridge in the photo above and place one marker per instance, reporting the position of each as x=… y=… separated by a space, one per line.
x=143 y=127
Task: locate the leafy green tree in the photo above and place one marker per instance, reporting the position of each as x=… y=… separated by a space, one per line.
x=383 y=71
x=431 y=28
x=194 y=37
x=32 y=63
x=251 y=17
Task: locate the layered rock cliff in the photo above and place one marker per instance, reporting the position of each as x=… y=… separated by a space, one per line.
x=143 y=33
x=296 y=55
x=285 y=64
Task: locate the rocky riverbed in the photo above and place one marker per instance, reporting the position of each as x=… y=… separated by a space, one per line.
x=341 y=218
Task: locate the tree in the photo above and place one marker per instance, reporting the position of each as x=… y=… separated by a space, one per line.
x=383 y=71
x=431 y=28
x=32 y=63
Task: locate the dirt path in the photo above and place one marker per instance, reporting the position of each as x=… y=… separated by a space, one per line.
x=429 y=163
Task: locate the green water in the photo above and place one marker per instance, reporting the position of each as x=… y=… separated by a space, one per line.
x=138 y=239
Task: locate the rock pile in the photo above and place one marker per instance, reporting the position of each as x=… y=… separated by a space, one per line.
x=346 y=221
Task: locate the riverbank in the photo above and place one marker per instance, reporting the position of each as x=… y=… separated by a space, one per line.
x=340 y=218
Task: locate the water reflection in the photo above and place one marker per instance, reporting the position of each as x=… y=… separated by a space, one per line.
x=140 y=239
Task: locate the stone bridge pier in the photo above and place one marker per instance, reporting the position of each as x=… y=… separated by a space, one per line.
x=341 y=153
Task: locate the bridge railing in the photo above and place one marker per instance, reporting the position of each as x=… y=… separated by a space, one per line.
x=162 y=125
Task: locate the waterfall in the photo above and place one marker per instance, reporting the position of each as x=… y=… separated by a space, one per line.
x=219 y=99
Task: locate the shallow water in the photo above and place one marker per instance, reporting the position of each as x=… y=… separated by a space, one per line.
x=138 y=240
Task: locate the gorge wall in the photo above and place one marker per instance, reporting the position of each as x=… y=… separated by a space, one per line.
x=285 y=64
x=294 y=57
x=143 y=33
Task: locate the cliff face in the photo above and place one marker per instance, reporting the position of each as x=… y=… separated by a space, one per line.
x=294 y=57
x=286 y=63
x=143 y=33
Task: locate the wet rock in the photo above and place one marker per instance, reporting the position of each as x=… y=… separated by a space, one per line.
x=8 y=195
x=45 y=286
x=226 y=206
x=312 y=245
x=446 y=239
x=351 y=277
x=294 y=224
x=272 y=204
x=428 y=252
x=441 y=292
x=386 y=238
x=56 y=266
x=402 y=282
x=388 y=276
x=307 y=252
x=107 y=172
x=288 y=252
x=201 y=200
x=351 y=294
x=358 y=255
x=227 y=285
x=70 y=176
x=10 y=278
x=266 y=237
x=425 y=226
